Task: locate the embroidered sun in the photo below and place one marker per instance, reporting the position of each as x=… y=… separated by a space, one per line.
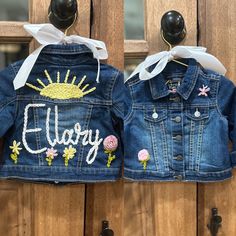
x=62 y=90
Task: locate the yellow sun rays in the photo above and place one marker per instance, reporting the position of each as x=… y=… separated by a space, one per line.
x=62 y=90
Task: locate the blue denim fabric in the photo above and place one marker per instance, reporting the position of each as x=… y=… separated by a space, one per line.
x=185 y=134
x=24 y=115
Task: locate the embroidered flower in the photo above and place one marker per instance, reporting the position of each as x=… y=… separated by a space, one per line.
x=143 y=157
x=15 y=151
x=50 y=153
x=110 y=144
x=203 y=91
x=69 y=153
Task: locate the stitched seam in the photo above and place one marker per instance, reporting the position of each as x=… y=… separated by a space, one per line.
x=154 y=145
x=165 y=147
x=86 y=125
x=128 y=117
x=199 y=145
x=191 y=142
x=112 y=91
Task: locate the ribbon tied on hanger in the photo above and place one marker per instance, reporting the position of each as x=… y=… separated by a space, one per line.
x=47 y=34
x=161 y=59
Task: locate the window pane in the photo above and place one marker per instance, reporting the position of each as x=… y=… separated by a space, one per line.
x=13 y=10
x=130 y=65
x=134 y=19
x=12 y=52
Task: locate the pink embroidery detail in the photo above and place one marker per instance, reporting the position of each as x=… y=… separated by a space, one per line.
x=203 y=91
x=174 y=90
x=143 y=157
x=110 y=143
x=50 y=153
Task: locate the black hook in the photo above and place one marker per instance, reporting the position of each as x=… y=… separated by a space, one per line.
x=173 y=27
x=105 y=229
x=215 y=222
x=62 y=13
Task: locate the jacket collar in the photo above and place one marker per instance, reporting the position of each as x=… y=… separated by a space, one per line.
x=159 y=88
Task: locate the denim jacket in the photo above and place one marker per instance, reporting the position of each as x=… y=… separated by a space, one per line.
x=62 y=126
x=178 y=124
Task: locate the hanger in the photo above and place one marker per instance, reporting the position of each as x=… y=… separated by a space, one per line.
x=170 y=47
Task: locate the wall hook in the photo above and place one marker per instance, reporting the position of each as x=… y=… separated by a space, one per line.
x=63 y=13
x=173 y=28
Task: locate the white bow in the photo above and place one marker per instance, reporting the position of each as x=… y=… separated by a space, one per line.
x=207 y=60
x=47 y=34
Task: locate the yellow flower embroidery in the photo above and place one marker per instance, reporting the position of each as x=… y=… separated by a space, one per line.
x=69 y=153
x=15 y=151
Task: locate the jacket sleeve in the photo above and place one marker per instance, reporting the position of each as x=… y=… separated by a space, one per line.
x=227 y=105
x=7 y=100
x=118 y=96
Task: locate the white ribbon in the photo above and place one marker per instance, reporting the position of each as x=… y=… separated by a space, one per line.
x=207 y=60
x=47 y=34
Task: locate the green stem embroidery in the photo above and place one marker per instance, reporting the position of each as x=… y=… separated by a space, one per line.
x=14 y=157
x=111 y=158
x=49 y=160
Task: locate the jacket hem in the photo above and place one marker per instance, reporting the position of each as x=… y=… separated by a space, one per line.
x=60 y=174
x=187 y=176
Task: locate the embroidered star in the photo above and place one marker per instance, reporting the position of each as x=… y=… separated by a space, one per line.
x=203 y=91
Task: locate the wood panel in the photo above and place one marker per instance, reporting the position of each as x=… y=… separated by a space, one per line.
x=218 y=33
x=58 y=210
x=136 y=48
x=162 y=208
x=105 y=201
x=15 y=209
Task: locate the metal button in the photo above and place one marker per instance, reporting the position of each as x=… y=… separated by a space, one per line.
x=154 y=115
x=179 y=158
x=177 y=119
x=197 y=114
x=178 y=177
x=178 y=137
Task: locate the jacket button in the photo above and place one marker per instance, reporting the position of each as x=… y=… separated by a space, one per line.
x=177 y=119
x=154 y=115
x=197 y=114
x=178 y=137
x=179 y=158
x=178 y=177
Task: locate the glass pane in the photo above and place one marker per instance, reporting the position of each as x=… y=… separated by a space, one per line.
x=12 y=52
x=130 y=65
x=13 y=10
x=134 y=19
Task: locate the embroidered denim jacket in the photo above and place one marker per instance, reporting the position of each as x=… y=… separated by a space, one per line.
x=178 y=124
x=62 y=126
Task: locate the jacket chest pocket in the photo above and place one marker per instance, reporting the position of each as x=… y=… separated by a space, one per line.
x=155 y=115
x=197 y=114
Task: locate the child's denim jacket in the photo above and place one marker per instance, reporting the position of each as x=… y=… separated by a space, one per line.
x=178 y=124
x=62 y=126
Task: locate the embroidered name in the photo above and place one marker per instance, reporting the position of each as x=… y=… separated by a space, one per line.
x=69 y=136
